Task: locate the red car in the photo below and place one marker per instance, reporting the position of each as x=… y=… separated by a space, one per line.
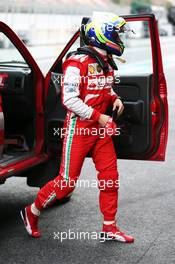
x=31 y=112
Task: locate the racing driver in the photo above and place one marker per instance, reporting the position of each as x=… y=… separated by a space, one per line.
x=86 y=94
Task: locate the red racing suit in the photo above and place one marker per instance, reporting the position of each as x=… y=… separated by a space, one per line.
x=86 y=93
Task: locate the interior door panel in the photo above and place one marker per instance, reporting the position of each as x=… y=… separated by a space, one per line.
x=135 y=123
x=23 y=93
x=18 y=103
x=17 y=92
x=55 y=113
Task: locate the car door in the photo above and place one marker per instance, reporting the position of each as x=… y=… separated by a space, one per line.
x=18 y=105
x=142 y=85
x=140 y=82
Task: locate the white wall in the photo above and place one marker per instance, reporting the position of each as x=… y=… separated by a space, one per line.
x=43 y=28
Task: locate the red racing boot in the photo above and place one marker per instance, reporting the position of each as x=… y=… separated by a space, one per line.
x=112 y=232
x=30 y=222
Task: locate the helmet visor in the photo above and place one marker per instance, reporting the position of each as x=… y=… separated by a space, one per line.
x=115 y=36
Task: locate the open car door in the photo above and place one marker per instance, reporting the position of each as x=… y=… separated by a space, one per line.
x=140 y=82
x=142 y=85
x=21 y=106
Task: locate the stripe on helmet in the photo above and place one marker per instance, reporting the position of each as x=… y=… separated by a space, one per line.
x=113 y=19
x=121 y=24
x=88 y=26
x=103 y=37
x=100 y=35
x=114 y=46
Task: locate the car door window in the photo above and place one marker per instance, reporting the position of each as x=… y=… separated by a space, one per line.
x=138 y=54
x=8 y=52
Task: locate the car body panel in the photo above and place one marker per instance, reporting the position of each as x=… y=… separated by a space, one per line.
x=38 y=155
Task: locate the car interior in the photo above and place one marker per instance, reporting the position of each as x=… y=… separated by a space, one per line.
x=18 y=105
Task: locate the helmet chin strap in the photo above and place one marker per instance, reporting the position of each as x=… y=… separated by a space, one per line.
x=109 y=56
x=112 y=62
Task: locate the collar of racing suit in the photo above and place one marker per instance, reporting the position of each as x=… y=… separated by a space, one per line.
x=102 y=57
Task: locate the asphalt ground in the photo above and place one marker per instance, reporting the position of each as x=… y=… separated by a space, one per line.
x=146 y=210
